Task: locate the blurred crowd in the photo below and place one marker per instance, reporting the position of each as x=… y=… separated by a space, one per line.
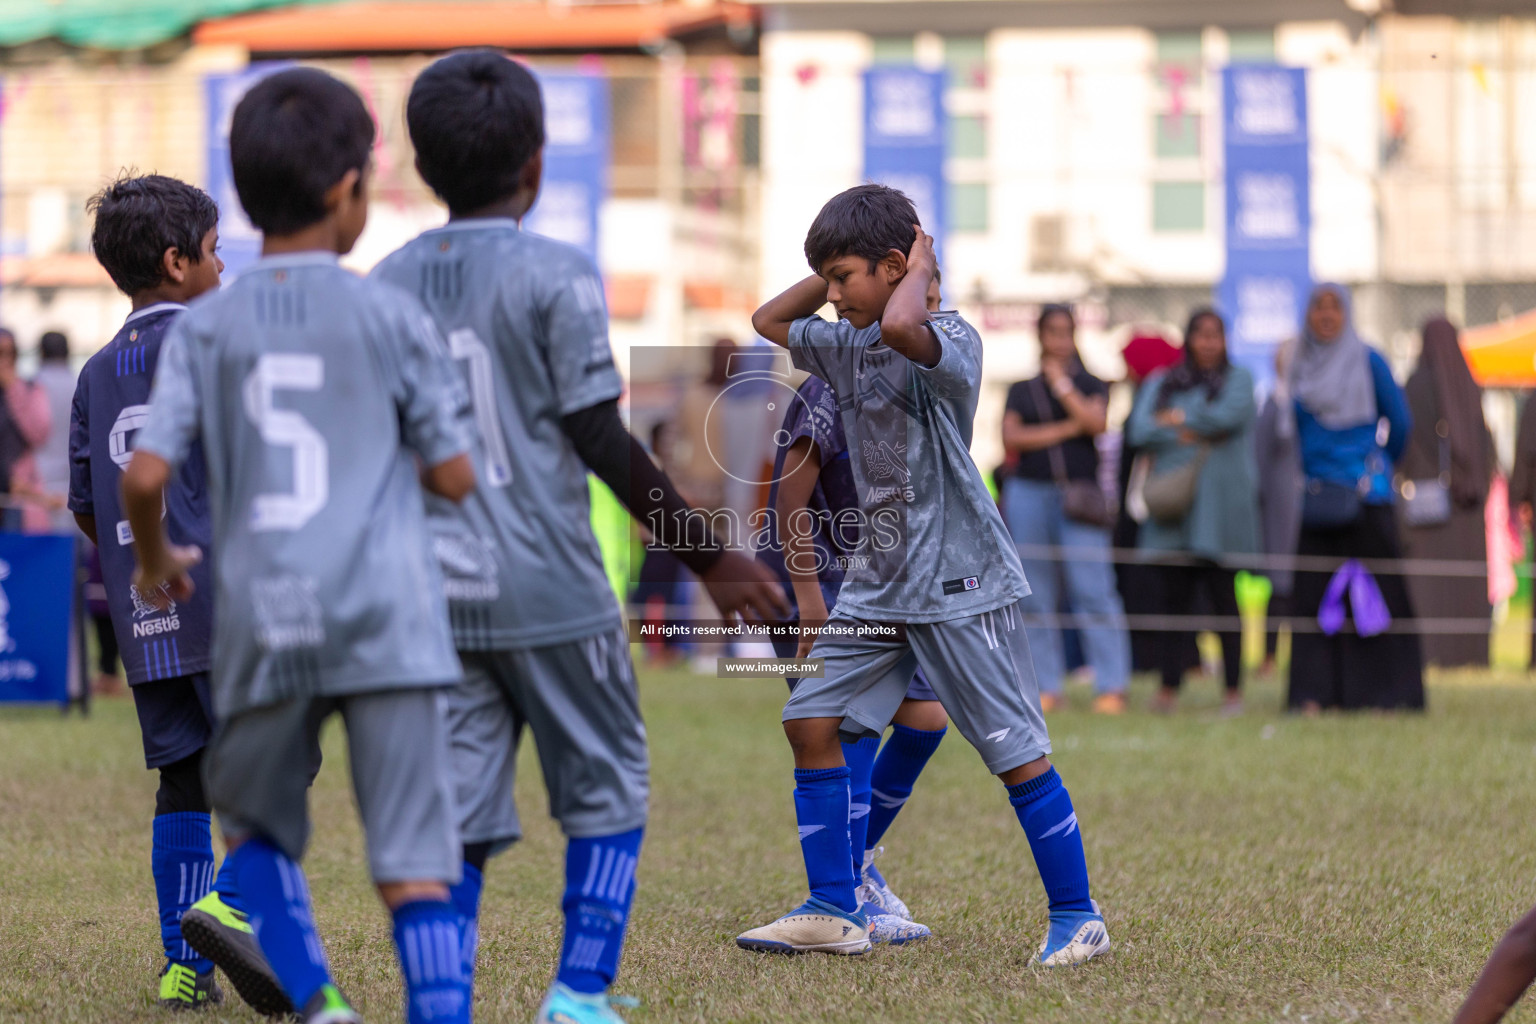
x=1361 y=508
x=1359 y=513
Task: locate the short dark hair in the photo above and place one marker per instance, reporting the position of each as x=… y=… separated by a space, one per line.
x=294 y=135
x=866 y=220
x=138 y=217
x=54 y=347
x=476 y=118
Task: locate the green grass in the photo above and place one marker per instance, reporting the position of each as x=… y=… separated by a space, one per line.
x=1258 y=869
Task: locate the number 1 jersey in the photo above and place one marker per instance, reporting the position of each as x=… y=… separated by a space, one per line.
x=525 y=319
x=314 y=393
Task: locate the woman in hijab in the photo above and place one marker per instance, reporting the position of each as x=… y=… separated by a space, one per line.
x=1342 y=391
x=1198 y=417
x=1450 y=443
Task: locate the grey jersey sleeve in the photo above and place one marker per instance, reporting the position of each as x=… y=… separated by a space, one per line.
x=433 y=403
x=576 y=341
x=175 y=402
x=958 y=371
x=824 y=348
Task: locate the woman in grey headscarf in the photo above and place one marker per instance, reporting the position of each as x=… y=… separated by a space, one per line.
x=1341 y=392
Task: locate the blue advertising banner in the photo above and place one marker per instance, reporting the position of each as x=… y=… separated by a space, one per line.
x=1269 y=211
x=576 y=154
x=904 y=132
x=36 y=600
x=239 y=241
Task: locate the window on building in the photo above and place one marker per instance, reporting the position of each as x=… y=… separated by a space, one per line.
x=1178 y=206
x=1177 y=135
x=967 y=137
x=894 y=50
x=965 y=57
x=969 y=206
x=1179 y=55
x=1251 y=46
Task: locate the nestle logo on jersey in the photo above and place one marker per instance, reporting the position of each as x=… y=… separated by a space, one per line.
x=960 y=586
x=154 y=627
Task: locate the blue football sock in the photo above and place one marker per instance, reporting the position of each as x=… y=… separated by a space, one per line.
x=599 y=888
x=277 y=900
x=225 y=885
x=1045 y=811
x=861 y=761
x=466 y=900
x=901 y=761
x=427 y=938
x=821 y=808
x=181 y=858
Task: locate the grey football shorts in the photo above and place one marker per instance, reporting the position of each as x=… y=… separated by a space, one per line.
x=978 y=667
x=580 y=701
x=260 y=762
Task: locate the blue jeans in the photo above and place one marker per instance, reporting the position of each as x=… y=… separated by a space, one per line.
x=1035 y=518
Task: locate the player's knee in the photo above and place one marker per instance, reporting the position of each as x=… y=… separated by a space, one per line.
x=181 y=787
x=814 y=740
x=925 y=715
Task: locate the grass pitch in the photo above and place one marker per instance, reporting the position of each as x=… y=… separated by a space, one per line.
x=1258 y=869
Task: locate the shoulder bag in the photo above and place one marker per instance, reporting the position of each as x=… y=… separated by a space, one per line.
x=1428 y=502
x=1082 y=501
x=1170 y=495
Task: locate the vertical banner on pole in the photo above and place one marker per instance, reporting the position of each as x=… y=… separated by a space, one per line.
x=37 y=575
x=1269 y=211
x=239 y=241
x=576 y=153
x=904 y=138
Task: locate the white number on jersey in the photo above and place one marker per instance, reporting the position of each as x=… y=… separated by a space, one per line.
x=465 y=344
x=284 y=428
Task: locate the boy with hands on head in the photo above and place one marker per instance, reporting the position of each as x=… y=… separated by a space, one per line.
x=944 y=573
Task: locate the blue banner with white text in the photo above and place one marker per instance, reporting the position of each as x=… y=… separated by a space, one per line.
x=239 y=240
x=1269 y=211
x=36 y=600
x=578 y=136
x=904 y=132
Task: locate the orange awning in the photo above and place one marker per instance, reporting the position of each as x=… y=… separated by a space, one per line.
x=384 y=26
x=1503 y=355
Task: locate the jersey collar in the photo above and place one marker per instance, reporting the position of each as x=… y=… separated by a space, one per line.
x=313 y=258
x=477 y=224
x=157 y=308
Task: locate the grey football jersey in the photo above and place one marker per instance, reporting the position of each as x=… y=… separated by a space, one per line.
x=934 y=546
x=315 y=392
x=526 y=321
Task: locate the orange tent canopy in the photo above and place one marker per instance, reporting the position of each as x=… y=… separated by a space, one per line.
x=1503 y=355
x=392 y=25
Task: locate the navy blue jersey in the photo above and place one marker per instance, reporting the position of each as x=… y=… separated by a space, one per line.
x=814 y=414
x=111 y=404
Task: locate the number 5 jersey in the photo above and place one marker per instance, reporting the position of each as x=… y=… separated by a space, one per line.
x=316 y=395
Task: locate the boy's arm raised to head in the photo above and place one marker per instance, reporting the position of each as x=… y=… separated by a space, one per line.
x=904 y=325
x=774 y=317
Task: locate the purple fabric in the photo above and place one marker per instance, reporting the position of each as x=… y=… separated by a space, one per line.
x=1365 y=601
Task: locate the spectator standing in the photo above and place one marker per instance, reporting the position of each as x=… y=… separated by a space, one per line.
x=1342 y=390
x=1049 y=424
x=1522 y=484
x=23 y=427
x=1449 y=447
x=1195 y=423
x=56 y=378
